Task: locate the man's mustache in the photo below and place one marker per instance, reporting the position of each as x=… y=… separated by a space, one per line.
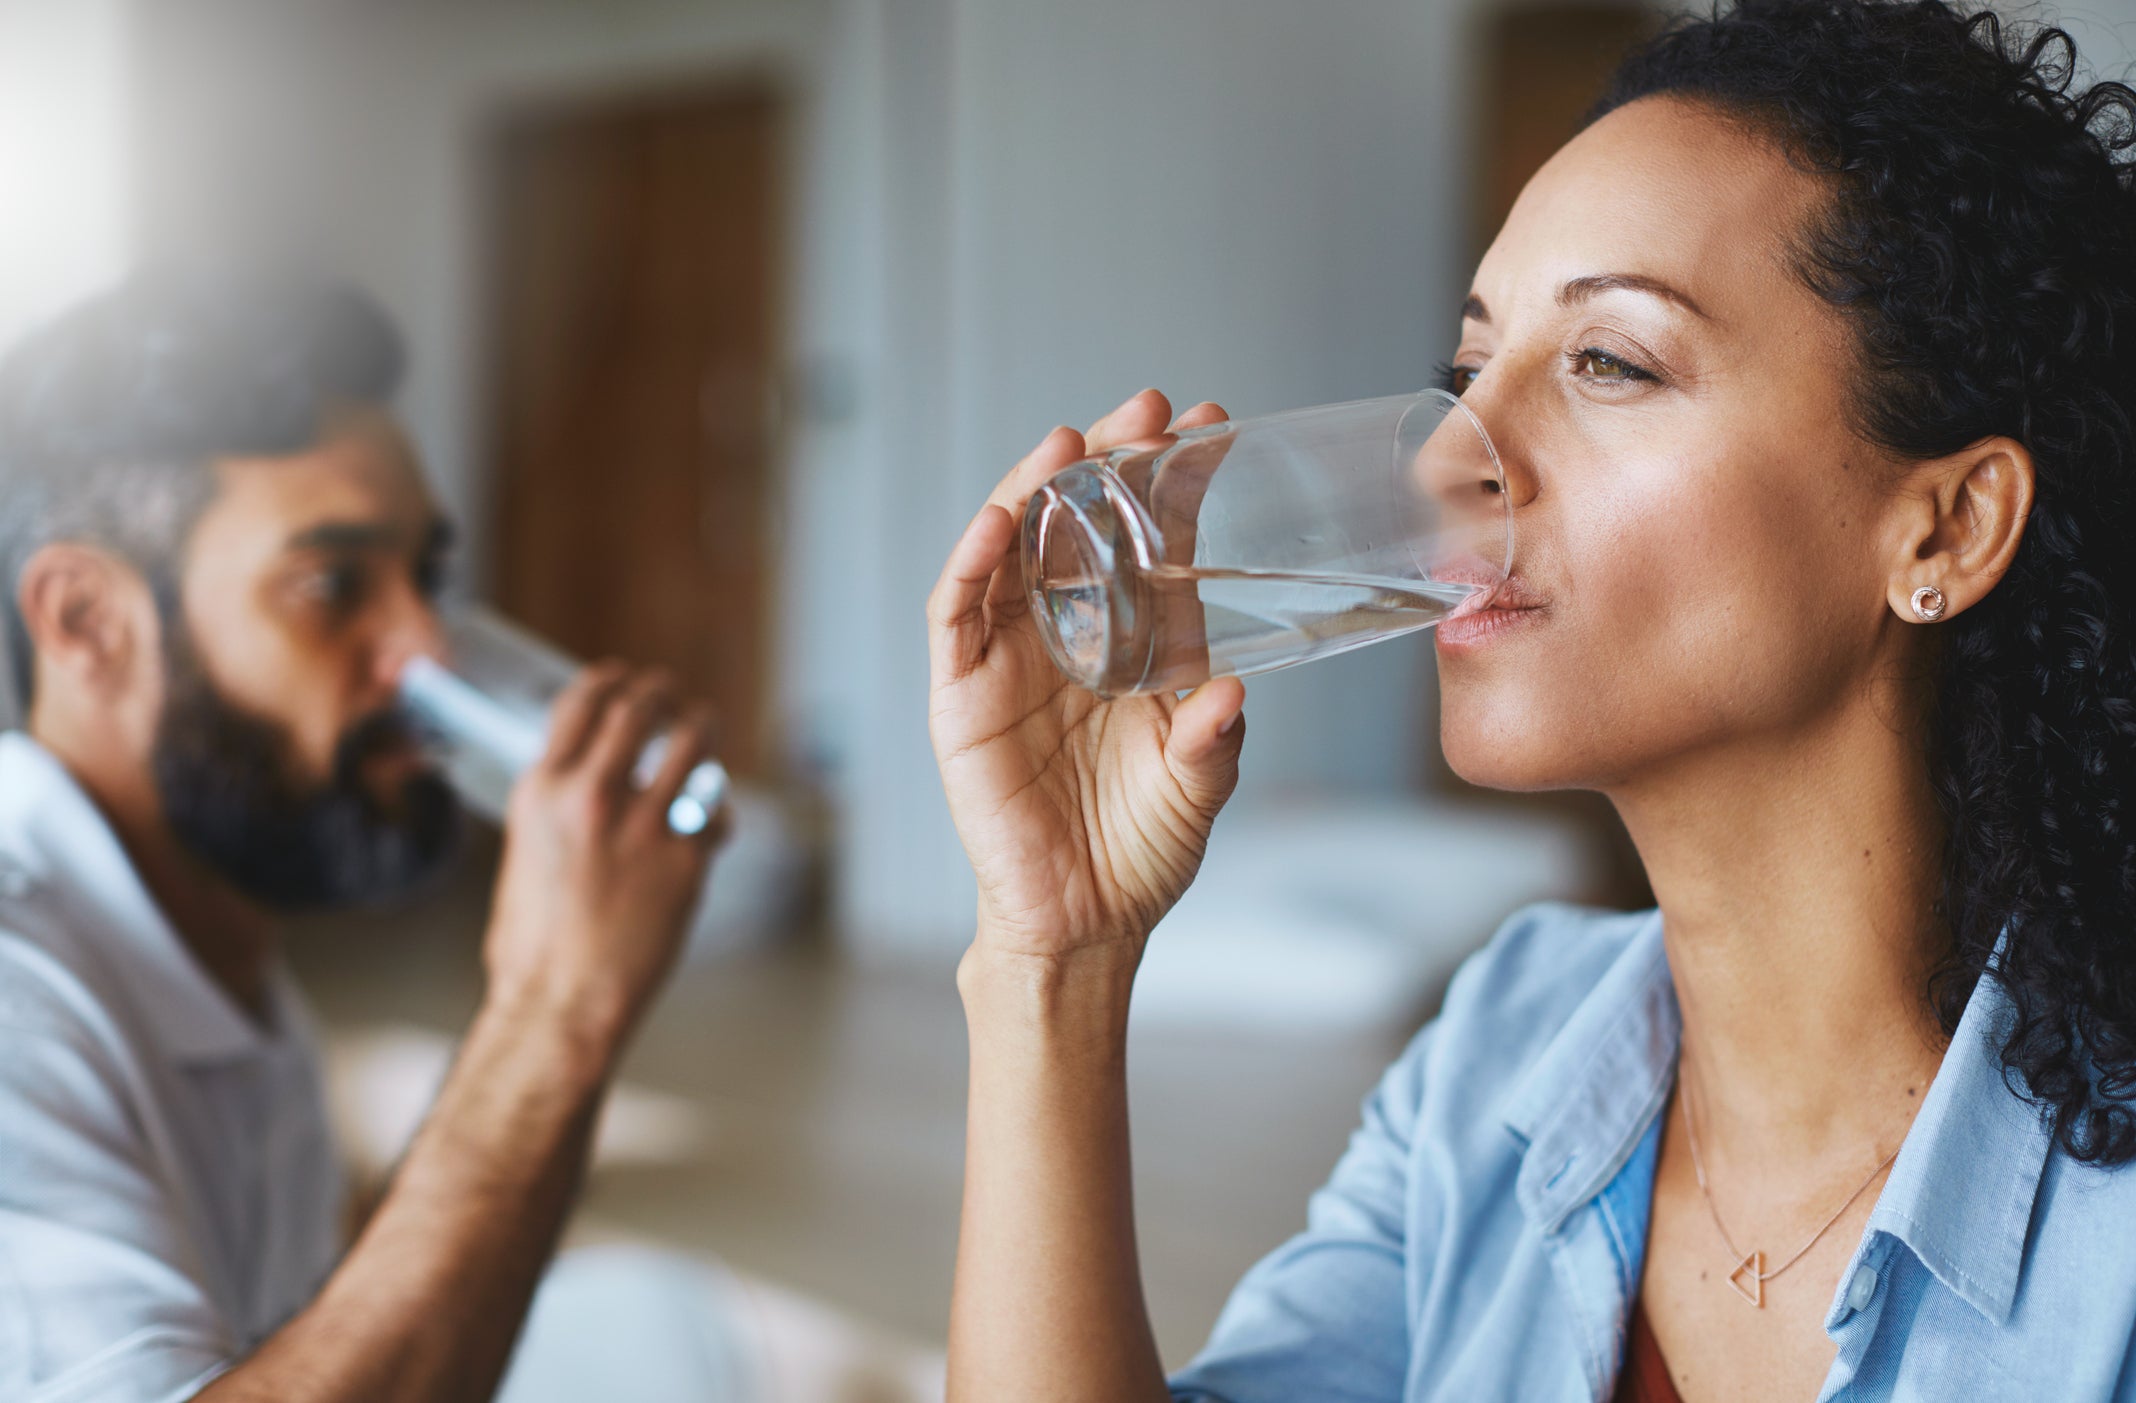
x=390 y=728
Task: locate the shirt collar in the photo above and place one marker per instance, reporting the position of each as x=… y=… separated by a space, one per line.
x=57 y=849
x=1597 y=1085
x=1961 y=1192
x=1960 y=1195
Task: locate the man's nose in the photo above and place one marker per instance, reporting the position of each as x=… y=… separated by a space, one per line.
x=412 y=629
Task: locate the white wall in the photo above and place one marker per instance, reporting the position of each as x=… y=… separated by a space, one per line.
x=2105 y=31
x=1248 y=200
x=66 y=162
x=1006 y=215
x=1259 y=204
x=351 y=135
x=1251 y=202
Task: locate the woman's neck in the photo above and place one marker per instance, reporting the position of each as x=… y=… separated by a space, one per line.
x=1798 y=882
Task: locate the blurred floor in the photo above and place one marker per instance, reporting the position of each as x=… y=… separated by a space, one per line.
x=834 y=1099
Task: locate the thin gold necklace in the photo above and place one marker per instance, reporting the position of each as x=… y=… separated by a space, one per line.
x=1751 y=1265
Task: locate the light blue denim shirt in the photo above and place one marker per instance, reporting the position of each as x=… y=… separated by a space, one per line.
x=1482 y=1237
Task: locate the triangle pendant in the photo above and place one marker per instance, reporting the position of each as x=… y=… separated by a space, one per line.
x=1748 y=1279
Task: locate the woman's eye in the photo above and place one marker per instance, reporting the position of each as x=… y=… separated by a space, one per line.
x=1601 y=365
x=1454 y=379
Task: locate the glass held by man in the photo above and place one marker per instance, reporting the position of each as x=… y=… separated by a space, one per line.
x=486 y=705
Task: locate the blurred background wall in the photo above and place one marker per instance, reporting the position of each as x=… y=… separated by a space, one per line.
x=724 y=315
x=971 y=221
x=985 y=219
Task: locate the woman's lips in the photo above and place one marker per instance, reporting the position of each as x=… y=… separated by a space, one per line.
x=1488 y=612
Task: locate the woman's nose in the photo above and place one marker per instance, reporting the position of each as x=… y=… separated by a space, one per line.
x=1495 y=399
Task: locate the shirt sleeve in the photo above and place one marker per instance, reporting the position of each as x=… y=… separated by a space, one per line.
x=99 y=1302
x=1325 y=1315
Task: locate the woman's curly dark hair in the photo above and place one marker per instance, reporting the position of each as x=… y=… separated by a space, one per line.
x=1981 y=241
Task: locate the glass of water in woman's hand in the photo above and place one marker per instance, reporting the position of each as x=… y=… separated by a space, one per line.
x=1245 y=546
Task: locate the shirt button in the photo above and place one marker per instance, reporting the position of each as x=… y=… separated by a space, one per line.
x=1861 y=1288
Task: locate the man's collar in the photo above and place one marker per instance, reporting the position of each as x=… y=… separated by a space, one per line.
x=1592 y=1093
x=57 y=848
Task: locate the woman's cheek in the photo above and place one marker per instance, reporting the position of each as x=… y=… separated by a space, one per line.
x=1641 y=643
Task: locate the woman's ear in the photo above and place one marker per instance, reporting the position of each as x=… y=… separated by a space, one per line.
x=1970 y=517
x=91 y=620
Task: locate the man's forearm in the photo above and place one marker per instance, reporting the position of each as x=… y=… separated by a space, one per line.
x=430 y=1299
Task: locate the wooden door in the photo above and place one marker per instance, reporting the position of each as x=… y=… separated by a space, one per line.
x=634 y=250
x=1544 y=66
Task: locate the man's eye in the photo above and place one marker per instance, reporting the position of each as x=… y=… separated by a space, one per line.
x=337 y=587
x=432 y=574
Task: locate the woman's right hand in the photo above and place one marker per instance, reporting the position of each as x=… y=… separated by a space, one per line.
x=1084 y=819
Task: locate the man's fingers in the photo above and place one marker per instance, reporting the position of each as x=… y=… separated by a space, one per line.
x=689 y=744
x=578 y=708
x=956 y=610
x=633 y=716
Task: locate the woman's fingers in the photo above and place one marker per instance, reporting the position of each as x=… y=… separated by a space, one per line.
x=1054 y=452
x=1200 y=415
x=1142 y=415
x=956 y=610
x=1202 y=751
x=974 y=579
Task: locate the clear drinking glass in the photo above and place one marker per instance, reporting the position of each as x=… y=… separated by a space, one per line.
x=487 y=705
x=1243 y=547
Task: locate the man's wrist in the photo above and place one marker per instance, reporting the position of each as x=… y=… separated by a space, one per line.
x=580 y=1037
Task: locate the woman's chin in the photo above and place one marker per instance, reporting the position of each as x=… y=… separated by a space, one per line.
x=1496 y=774
x=1498 y=749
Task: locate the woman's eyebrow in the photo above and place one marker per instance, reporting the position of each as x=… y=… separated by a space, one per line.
x=1580 y=289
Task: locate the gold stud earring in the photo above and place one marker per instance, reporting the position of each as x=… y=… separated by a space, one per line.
x=1928 y=604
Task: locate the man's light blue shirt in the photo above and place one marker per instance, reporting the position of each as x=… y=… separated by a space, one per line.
x=1482 y=1237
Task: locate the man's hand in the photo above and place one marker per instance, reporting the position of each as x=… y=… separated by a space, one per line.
x=596 y=890
x=591 y=906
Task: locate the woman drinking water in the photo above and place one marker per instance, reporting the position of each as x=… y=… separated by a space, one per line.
x=1811 y=364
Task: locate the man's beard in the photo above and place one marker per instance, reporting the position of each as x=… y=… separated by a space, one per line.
x=233 y=798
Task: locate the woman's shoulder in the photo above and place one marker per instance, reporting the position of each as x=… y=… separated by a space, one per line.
x=1554 y=984
x=1543 y=964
